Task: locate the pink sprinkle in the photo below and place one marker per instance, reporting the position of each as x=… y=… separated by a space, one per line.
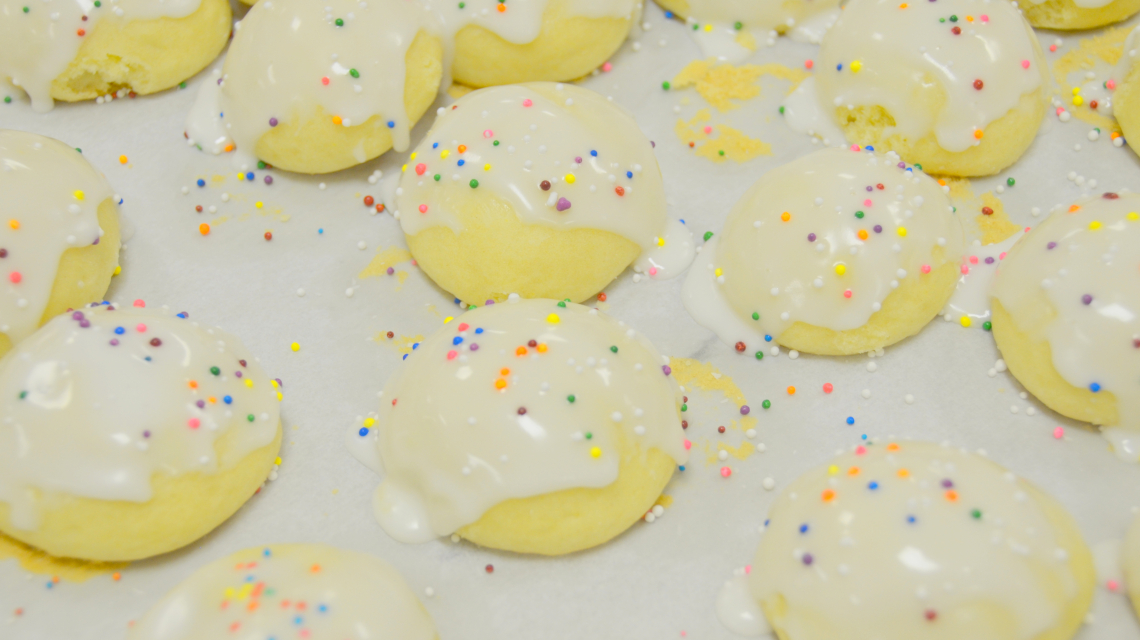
x=725 y=472
x=193 y=422
x=140 y=303
x=423 y=208
x=985 y=18
x=325 y=80
x=1060 y=110
x=652 y=271
x=1052 y=47
x=15 y=277
x=607 y=67
x=1111 y=84
x=965 y=270
x=973 y=259
x=1059 y=432
x=925 y=268
x=867 y=202
x=140 y=327
x=451 y=355
x=1001 y=256
x=1024 y=64
x=860 y=450
x=420 y=169
x=708 y=129
x=827 y=387
x=847 y=293
x=747 y=569
x=688 y=445
x=808 y=64
x=1112 y=585
x=855 y=147
x=488 y=134
x=527 y=102
x=463 y=326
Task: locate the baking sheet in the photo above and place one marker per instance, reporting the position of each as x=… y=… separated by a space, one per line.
x=658 y=580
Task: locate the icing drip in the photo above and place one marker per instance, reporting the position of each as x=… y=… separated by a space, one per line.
x=971 y=297
x=37 y=45
x=289 y=57
x=1073 y=282
x=50 y=204
x=890 y=540
x=513 y=400
x=821 y=240
x=1128 y=56
x=99 y=400
x=979 y=56
x=597 y=167
x=289 y=591
x=521 y=21
x=738 y=611
x=730 y=29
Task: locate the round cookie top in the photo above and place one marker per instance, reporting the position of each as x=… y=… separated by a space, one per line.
x=290 y=591
x=99 y=400
x=39 y=39
x=1075 y=281
x=289 y=57
x=562 y=156
x=513 y=400
x=51 y=197
x=520 y=21
x=890 y=539
x=825 y=239
x=981 y=54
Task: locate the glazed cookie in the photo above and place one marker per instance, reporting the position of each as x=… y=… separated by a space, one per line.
x=1126 y=98
x=70 y=50
x=530 y=426
x=840 y=252
x=289 y=591
x=316 y=87
x=1077 y=14
x=918 y=541
x=530 y=40
x=1066 y=306
x=957 y=86
x=548 y=191
x=60 y=245
x=129 y=432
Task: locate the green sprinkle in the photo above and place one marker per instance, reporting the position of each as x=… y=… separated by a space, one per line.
x=260 y=164
x=859 y=214
x=977 y=513
x=665 y=85
x=953 y=18
x=462 y=5
x=987 y=325
x=562 y=304
x=684 y=407
x=474 y=183
x=755 y=316
x=766 y=404
x=760 y=356
x=1010 y=181
x=942 y=19
x=470 y=307
x=570 y=398
x=354 y=73
x=781 y=109
x=696 y=27
x=614 y=348
x=589 y=435
x=182 y=85
x=216 y=371
x=708 y=234
x=953 y=209
x=249 y=417
x=495 y=143
x=918 y=166
x=79 y=150
x=738 y=26
x=721 y=152
x=98 y=3
x=339 y=22
x=437 y=177
x=7 y=99
x=26 y=9
x=23 y=394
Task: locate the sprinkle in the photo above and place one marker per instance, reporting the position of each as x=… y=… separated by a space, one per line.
x=204 y=229
x=725 y=472
x=595 y=452
x=785 y=216
x=791 y=391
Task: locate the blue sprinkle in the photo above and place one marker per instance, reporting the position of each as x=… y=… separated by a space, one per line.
x=457 y=340
x=266 y=552
x=462 y=162
x=682 y=220
x=803 y=528
x=363 y=431
x=391 y=124
x=457 y=301
x=669 y=14
x=1094 y=387
x=681 y=467
x=249 y=176
x=911 y=519
x=435 y=145
x=478 y=331
x=50 y=585
x=416 y=345
x=594 y=153
x=298 y=621
x=147 y=358
x=183 y=315
x=249 y=578
x=201 y=182
x=864 y=436
x=323 y=608
x=320 y=230
x=120 y=331
x=874 y=485
x=405 y=357
x=839 y=67
x=766 y=522
x=869 y=148
x=629 y=174
x=767 y=338
x=228 y=399
x=850 y=420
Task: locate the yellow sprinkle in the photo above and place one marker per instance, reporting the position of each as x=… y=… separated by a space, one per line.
x=230 y=592
x=1078 y=101
x=718 y=272
x=79 y=195
x=241 y=176
x=902 y=231
x=486 y=167
x=596 y=452
x=840 y=269
x=1133 y=216
x=856 y=66
x=570 y=179
x=274 y=383
x=403 y=168
x=832 y=470
x=1076 y=91
x=258 y=204
x=708 y=27
x=368 y=422
x=965 y=320
x=118 y=270
x=279 y=396
x=277 y=461
x=660 y=242
x=122 y=159
x=15 y=224
x=295 y=347
x=248 y=382
x=553 y=318
x=447 y=319
x=1094 y=225
x=413 y=156
x=445 y=153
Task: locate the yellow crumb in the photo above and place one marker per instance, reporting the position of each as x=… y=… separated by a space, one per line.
x=720 y=142
x=383 y=259
x=996 y=227
x=665 y=500
x=722 y=83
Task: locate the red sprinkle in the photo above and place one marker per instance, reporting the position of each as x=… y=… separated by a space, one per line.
x=602 y=297
x=740 y=347
x=987 y=211
x=268 y=235
x=720 y=429
x=489 y=568
x=827 y=388
x=368 y=201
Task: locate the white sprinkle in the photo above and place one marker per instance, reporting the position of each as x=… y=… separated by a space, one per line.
x=769 y=484
x=909 y=399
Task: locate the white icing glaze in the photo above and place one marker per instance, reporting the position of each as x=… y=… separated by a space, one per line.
x=789 y=271
x=457 y=436
x=51 y=197
x=521 y=20
x=804 y=113
x=289 y=57
x=1128 y=56
x=90 y=411
x=1073 y=282
x=37 y=46
x=289 y=591
x=891 y=56
x=533 y=132
x=971 y=297
x=841 y=549
x=738 y=611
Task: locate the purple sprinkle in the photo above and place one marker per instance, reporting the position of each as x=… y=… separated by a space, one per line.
x=744 y=410
x=667 y=369
x=870 y=188
x=563 y=204
x=989 y=260
x=1087 y=299
x=808 y=559
x=96 y=241
x=279 y=383
x=947 y=483
x=237 y=373
x=1051 y=246
x=85 y=323
x=146 y=434
x=78 y=315
x=489 y=302
x=391 y=271
x=878 y=228
x=201 y=404
x=219 y=82
x=273 y=122
x=474 y=346
x=578 y=159
x=653 y=144
x=114 y=342
x=811 y=237
x=902 y=165
x=268 y=179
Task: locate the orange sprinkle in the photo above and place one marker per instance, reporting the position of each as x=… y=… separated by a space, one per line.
x=212 y=400
x=1073 y=209
x=115 y=576
x=951 y=495
x=500 y=384
x=253 y=604
x=828 y=495
x=81 y=32
x=893 y=447
x=903 y=6
x=193 y=384
x=969 y=18
x=122 y=159
x=15 y=224
x=791 y=391
x=521 y=351
x=785 y=216
x=337 y=120
x=853 y=471
x=502 y=7
x=504 y=371
x=204 y=229
x=316 y=568
x=462 y=148
x=903 y=473
x=229 y=147
x=541 y=347
x=862 y=234
x=978 y=134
